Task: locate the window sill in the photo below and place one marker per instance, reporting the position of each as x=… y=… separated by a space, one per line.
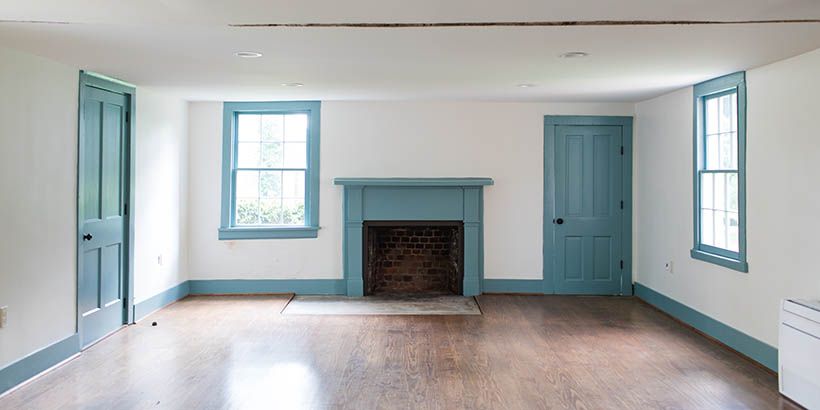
x=281 y=232
x=738 y=265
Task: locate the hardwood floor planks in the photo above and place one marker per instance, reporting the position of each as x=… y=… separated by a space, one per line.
x=524 y=352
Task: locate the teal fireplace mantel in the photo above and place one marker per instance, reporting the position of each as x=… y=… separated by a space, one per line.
x=413 y=199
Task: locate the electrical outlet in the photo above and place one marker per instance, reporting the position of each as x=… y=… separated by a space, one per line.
x=3 y=315
x=668 y=266
x=159 y=260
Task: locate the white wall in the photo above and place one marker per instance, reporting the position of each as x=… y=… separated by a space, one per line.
x=783 y=153
x=38 y=178
x=161 y=193
x=503 y=141
x=38 y=181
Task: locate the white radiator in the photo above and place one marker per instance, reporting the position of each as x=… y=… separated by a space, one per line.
x=799 y=352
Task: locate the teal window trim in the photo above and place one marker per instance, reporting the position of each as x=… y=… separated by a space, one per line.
x=731 y=83
x=227 y=228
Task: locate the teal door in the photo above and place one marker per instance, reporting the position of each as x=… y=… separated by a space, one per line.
x=101 y=206
x=588 y=210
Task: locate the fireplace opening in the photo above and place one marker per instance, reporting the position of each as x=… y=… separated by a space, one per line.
x=413 y=257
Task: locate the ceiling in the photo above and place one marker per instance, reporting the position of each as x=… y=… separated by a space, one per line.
x=186 y=46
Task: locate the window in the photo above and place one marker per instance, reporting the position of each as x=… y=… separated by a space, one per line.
x=270 y=170
x=719 y=171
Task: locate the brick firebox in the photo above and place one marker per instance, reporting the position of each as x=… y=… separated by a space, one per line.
x=413 y=257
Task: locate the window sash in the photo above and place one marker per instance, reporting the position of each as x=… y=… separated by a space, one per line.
x=715 y=208
x=235 y=169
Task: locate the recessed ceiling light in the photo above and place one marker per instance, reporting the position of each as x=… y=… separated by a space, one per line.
x=574 y=54
x=525 y=85
x=292 y=85
x=247 y=54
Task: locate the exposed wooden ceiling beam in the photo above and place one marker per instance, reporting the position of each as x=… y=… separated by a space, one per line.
x=569 y=23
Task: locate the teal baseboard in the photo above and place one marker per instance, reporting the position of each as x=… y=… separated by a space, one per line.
x=37 y=362
x=326 y=286
x=513 y=286
x=161 y=300
x=756 y=350
x=298 y=286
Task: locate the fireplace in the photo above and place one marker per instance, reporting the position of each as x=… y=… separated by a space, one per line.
x=426 y=202
x=413 y=257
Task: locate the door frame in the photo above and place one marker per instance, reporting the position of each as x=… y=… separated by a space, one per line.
x=550 y=123
x=116 y=86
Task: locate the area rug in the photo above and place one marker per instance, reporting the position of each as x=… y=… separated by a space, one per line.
x=382 y=305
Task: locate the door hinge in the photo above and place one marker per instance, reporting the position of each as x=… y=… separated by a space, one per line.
x=128 y=118
x=622 y=264
x=125 y=211
x=622 y=204
x=622 y=150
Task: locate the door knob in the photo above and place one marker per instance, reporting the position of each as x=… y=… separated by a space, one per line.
x=559 y=221
x=87 y=237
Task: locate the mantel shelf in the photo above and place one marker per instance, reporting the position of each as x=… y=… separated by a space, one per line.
x=413 y=181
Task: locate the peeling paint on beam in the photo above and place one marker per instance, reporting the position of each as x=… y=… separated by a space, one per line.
x=524 y=24
x=32 y=22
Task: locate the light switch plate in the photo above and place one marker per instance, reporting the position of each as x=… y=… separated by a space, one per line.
x=3 y=315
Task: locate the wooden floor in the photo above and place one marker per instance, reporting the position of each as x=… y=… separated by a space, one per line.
x=525 y=352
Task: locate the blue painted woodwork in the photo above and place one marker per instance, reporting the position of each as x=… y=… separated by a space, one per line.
x=413 y=199
x=757 y=350
x=587 y=198
x=37 y=362
x=105 y=188
x=427 y=182
x=735 y=82
x=513 y=286
x=227 y=228
x=298 y=286
x=160 y=300
x=586 y=195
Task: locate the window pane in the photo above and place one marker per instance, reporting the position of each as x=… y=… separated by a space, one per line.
x=247 y=184
x=296 y=127
x=726 y=117
x=720 y=191
x=726 y=154
x=270 y=185
x=707 y=190
x=272 y=127
x=707 y=227
x=247 y=127
x=270 y=211
x=732 y=193
x=247 y=211
x=720 y=229
x=711 y=116
x=272 y=155
x=295 y=155
x=293 y=184
x=712 y=152
x=734 y=151
x=293 y=212
x=247 y=155
x=734 y=236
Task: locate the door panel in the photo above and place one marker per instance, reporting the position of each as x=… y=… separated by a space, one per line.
x=102 y=229
x=587 y=200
